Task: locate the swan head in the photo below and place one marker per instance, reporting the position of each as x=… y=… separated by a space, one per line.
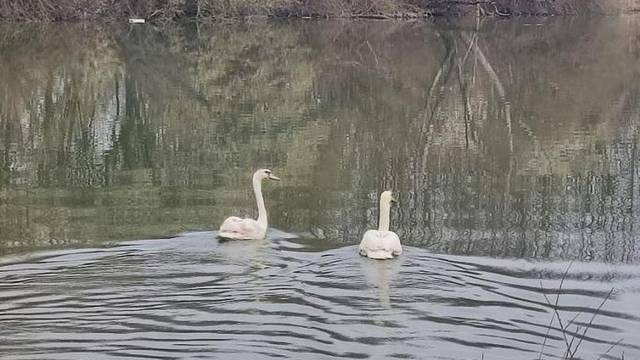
x=265 y=174
x=387 y=196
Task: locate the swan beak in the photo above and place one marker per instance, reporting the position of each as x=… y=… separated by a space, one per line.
x=272 y=177
x=393 y=199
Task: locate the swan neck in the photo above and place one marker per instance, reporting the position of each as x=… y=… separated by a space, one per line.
x=262 y=211
x=385 y=210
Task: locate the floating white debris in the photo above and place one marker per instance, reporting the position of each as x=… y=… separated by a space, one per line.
x=136 y=21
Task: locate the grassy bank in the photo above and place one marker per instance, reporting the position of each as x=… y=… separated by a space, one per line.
x=171 y=10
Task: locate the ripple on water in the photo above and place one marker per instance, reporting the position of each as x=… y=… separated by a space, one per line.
x=193 y=297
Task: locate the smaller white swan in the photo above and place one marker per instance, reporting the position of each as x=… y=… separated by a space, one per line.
x=382 y=243
x=249 y=229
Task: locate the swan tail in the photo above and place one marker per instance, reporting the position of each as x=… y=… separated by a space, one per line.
x=231 y=235
x=379 y=254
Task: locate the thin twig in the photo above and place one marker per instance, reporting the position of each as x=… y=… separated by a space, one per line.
x=555 y=307
x=591 y=321
x=564 y=276
x=557 y=315
x=574 y=318
x=611 y=348
x=546 y=336
x=573 y=338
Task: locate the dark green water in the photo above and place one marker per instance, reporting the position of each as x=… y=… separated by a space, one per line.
x=516 y=140
x=512 y=146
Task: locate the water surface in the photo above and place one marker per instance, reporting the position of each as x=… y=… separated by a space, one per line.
x=192 y=297
x=512 y=147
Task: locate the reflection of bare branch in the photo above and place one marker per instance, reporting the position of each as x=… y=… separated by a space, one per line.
x=479 y=55
x=474 y=40
x=465 y=103
x=497 y=83
x=487 y=66
x=445 y=69
x=463 y=91
x=507 y=115
x=154 y=69
x=373 y=52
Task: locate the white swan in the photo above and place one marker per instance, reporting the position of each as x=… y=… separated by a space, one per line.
x=381 y=243
x=248 y=229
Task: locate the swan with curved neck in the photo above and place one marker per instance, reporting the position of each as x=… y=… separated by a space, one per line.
x=382 y=244
x=247 y=229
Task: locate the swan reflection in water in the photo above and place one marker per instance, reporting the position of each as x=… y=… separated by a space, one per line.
x=381 y=274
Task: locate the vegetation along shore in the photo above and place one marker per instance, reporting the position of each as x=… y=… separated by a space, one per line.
x=210 y=10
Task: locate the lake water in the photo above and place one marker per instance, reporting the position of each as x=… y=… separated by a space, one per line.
x=511 y=145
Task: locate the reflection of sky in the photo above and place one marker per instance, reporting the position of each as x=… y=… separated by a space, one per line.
x=193 y=295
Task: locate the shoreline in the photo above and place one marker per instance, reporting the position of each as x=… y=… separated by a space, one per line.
x=240 y=10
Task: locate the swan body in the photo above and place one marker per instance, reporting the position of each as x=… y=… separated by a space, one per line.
x=249 y=229
x=382 y=243
x=241 y=229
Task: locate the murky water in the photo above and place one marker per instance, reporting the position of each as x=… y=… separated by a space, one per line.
x=512 y=146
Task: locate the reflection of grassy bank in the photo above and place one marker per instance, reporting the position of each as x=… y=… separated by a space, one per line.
x=54 y=218
x=202 y=10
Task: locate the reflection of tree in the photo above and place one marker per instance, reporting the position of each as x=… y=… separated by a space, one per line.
x=496 y=143
x=149 y=116
x=483 y=175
